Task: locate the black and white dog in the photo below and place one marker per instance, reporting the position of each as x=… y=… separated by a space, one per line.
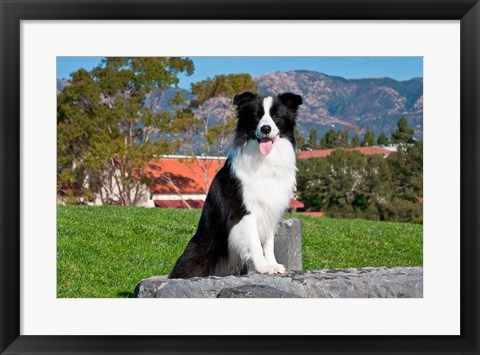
x=248 y=195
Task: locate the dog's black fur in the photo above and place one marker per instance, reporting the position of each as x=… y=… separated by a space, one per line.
x=222 y=210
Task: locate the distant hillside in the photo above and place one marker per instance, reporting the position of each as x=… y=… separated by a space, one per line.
x=329 y=101
x=355 y=104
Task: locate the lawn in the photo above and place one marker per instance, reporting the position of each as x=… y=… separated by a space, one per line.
x=105 y=251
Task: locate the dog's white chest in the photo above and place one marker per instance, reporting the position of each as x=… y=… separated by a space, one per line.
x=268 y=187
x=267 y=182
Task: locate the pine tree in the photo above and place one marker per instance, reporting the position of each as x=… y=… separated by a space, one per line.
x=355 y=142
x=403 y=134
x=312 y=141
x=329 y=140
x=369 y=139
x=299 y=139
x=342 y=139
x=383 y=139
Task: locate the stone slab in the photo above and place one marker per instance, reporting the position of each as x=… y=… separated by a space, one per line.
x=254 y=291
x=396 y=282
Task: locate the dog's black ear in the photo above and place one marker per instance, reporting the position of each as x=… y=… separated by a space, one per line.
x=242 y=99
x=290 y=100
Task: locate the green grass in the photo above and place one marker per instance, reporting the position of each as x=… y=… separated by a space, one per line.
x=343 y=243
x=105 y=251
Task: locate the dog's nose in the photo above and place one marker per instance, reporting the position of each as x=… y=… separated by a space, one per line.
x=265 y=129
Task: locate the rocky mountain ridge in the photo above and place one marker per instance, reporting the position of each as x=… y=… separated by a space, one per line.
x=353 y=104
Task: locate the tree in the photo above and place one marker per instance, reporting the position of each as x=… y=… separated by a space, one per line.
x=348 y=184
x=309 y=184
x=329 y=139
x=222 y=85
x=299 y=139
x=407 y=168
x=222 y=89
x=334 y=139
x=312 y=141
x=403 y=134
x=355 y=142
x=342 y=181
x=177 y=100
x=188 y=125
x=342 y=138
x=383 y=139
x=369 y=139
x=104 y=130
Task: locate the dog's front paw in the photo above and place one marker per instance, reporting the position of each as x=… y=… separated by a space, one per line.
x=280 y=269
x=272 y=269
x=267 y=269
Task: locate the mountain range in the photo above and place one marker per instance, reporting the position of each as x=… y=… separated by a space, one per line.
x=328 y=101
x=353 y=104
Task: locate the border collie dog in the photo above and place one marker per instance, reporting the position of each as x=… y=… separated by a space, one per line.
x=248 y=195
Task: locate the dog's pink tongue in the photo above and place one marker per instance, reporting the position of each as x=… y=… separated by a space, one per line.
x=265 y=146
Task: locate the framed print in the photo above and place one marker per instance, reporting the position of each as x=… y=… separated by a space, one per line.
x=44 y=310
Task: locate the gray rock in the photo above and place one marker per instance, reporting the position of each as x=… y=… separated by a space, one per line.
x=397 y=282
x=147 y=288
x=254 y=291
x=288 y=243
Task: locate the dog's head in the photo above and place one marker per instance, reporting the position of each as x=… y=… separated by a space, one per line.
x=265 y=119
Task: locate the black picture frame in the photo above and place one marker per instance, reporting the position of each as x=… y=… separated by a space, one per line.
x=13 y=12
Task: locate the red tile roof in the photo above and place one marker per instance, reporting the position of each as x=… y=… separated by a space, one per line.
x=372 y=150
x=307 y=154
x=312 y=214
x=187 y=174
x=179 y=203
x=322 y=153
x=188 y=177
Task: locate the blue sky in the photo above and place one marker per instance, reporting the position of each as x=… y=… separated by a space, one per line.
x=399 y=68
